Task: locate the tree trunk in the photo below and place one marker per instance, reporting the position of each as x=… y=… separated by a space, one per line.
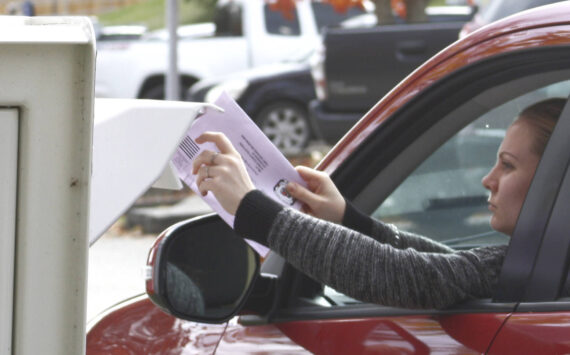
x=416 y=10
x=383 y=11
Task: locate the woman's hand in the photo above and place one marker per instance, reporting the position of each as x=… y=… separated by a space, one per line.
x=322 y=199
x=223 y=173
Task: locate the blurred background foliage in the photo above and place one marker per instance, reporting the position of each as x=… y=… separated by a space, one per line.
x=152 y=13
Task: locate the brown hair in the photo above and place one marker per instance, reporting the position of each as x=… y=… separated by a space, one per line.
x=542 y=116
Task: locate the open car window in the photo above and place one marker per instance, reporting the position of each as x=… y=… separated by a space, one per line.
x=443 y=197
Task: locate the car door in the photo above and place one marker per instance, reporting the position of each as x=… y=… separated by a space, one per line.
x=398 y=49
x=421 y=170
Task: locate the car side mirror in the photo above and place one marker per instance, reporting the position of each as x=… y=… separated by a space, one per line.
x=201 y=270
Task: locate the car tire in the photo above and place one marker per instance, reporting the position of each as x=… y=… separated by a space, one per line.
x=287 y=126
x=154 y=93
x=157 y=92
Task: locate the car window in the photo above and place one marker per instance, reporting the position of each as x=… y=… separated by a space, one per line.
x=280 y=24
x=443 y=197
x=326 y=15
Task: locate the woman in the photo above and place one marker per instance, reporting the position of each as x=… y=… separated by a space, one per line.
x=365 y=258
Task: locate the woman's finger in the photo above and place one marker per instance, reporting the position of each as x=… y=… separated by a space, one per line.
x=203 y=158
x=301 y=193
x=312 y=177
x=205 y=185
x=307 y=173
x=208 y=157
x=208 y=172
x=201 y=175
x=219 y=139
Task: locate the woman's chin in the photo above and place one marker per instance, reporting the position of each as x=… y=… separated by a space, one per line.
x=501 y=227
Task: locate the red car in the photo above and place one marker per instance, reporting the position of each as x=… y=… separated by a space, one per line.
x=416 y=159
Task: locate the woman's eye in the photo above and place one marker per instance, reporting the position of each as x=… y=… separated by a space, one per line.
x=507 y=165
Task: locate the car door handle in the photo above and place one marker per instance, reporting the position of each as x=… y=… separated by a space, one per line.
x=411 y=51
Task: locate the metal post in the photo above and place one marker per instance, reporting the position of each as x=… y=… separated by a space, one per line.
x=172 y=90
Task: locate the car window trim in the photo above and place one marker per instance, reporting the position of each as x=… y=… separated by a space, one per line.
x=560 y=305
x=368 y=310
x=551 y=266
x=529 y=234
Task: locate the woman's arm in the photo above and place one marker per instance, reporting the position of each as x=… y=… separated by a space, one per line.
x=322 y=199
x=363 y=268
x=389 y=234
x=347 y=260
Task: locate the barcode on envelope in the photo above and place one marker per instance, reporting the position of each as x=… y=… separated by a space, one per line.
x=189 y=147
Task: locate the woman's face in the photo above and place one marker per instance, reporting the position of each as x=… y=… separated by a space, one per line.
x=510 y=178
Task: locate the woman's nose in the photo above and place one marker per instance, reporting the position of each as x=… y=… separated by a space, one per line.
x=489 y=182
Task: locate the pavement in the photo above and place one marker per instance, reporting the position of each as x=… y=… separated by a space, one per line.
x=118 y=258
x=116 y=268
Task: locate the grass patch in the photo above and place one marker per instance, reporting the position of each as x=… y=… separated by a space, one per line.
x=152 y=13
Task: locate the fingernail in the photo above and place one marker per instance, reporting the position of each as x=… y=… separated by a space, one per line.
x=291 y=186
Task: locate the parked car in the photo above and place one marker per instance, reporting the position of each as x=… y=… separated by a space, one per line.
x=399 y=161
x=274 y=96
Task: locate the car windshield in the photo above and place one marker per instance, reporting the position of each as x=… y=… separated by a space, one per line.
x=495 y=10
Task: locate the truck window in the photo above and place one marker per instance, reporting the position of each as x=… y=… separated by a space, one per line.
x=326 y=15
x=278 y=24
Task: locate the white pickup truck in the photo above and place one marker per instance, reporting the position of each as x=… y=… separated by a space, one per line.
x=244 y=34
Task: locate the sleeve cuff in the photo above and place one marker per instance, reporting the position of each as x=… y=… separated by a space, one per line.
x=255 y=215
x=356 y=220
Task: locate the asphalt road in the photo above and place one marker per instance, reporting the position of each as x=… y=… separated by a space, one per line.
x=116 y=263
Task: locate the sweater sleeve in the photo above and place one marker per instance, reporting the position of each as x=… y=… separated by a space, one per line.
x=366 y=268
x=370 y=271
x=389 y=234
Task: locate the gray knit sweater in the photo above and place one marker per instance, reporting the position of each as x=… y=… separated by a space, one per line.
x=369 y=260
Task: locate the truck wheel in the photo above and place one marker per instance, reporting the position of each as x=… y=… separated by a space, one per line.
x=287 y=125
x=157 y=92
